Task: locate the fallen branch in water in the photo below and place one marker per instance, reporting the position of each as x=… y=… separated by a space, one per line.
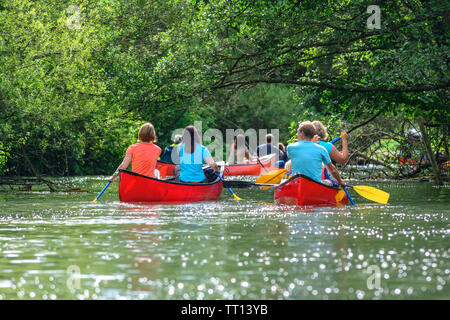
x=373 y=161
x=28 y=182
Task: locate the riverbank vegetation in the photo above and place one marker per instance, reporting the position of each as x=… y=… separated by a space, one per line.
x=78 y=79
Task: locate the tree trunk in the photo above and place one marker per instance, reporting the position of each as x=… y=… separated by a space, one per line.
x=426 y=142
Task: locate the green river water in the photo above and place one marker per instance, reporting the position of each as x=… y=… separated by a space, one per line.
x=63 y=246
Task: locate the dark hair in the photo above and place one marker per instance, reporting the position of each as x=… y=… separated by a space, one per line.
x=239 y=140
x=308 y=129
x=269 y=137
x=190 y=137
x=281 y=146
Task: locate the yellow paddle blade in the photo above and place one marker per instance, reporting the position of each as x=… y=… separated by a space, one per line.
x=271 y=177
x=236 y=197
x=372 y=193
x=95 y=200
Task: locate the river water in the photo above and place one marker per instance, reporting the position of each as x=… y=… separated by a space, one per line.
x=64 y=246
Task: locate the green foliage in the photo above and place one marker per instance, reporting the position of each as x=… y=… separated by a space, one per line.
x=77 y=82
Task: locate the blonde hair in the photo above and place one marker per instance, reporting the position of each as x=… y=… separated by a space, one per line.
x=147 y=133
x=321 y=130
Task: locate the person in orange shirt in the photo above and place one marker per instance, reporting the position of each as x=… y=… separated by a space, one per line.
x=142 y=155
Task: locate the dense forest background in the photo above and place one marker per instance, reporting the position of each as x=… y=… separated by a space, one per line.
x=78 y=78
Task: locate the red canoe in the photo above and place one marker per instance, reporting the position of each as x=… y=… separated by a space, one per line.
x=134 y=187
x=250 y=169
x=302 y=190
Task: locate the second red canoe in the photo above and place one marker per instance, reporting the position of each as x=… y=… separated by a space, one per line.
x=303 y=191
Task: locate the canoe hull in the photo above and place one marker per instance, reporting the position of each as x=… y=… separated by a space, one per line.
x=250 y=169
x=303 y=191
x=134 y=187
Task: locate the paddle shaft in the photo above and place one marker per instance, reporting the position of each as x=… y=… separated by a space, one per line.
x=245 y=184
x=101 y=192
x=348 y=195
x=229 y=189
x=339 y=138
x=257 y=158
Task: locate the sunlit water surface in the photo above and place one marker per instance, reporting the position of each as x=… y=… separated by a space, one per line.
x=63 y=246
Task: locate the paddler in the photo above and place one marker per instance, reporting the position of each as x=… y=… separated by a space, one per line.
x=268 y=148
x=170 y=154
x=307 y=157
x=142 y=155
x=239 y=153
x=335 y=154
x=192 y=156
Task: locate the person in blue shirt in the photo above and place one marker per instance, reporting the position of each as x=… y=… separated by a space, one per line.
x=192 y=156
x=335 y=154
x=307 y=157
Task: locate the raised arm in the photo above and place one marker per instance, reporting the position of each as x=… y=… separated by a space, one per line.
x=341 y=157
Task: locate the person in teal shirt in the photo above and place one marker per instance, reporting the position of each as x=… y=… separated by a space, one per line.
x=327 y=145
x=335 y=154
x=307 y=157
x=192 y=156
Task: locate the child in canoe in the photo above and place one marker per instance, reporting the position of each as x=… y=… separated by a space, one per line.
x=192 y=155
x=142 y=155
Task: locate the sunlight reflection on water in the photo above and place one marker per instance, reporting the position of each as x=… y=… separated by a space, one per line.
x=224 y=249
